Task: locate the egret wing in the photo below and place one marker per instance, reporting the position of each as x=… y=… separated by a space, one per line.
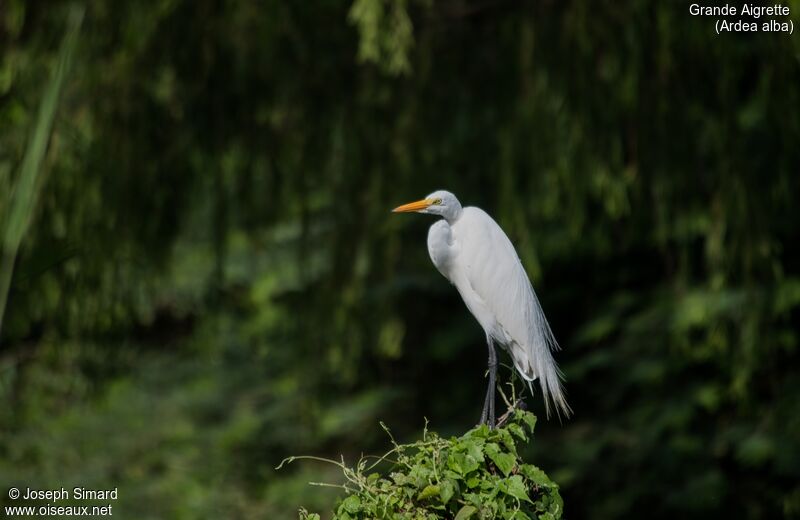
x=496 y=274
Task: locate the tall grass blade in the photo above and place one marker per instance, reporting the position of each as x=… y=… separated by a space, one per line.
x=24 y=194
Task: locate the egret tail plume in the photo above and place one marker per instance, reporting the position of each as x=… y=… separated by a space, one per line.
x=553 y=391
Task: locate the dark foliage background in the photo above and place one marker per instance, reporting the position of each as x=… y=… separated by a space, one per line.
x=211 y=279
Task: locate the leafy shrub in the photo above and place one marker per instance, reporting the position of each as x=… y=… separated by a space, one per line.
x=476 y=476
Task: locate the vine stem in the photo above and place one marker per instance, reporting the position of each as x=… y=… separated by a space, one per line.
x=506 y=416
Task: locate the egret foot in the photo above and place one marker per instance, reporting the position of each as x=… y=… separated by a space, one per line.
x=520 y=404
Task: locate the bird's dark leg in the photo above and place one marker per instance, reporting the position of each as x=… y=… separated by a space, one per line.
x=492 y=382
x=485 y=412
x=487 y=415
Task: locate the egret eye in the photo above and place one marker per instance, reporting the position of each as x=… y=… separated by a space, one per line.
x=438 y=202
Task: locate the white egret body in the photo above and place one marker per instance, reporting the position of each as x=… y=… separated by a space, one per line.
x=471 y=250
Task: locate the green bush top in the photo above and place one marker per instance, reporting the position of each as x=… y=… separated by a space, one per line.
x=476 y=476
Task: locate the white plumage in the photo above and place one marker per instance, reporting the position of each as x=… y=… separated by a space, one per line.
x=471 y=250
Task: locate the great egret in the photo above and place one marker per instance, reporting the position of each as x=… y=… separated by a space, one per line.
x=469 y=249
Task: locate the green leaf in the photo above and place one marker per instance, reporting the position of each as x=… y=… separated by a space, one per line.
x=420 y=474
x=465 y=512
x=455 y=461
x=474 y=448
x=429 y=491
x=474 y=499
x=462 y=463
x=517 y=430
x=507 y=440
x=447 y=489
x=351 y=504
x=491 y=448
x=399 y=478
x=536 y=475
x=556 y=503
x=519 y=515
x=528 y=418
x=504 y=461
x=470 y=464
x=448 y=473
x=481 y=432
x=515 y=487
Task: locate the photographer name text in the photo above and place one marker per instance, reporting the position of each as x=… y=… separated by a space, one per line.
x=77 y=493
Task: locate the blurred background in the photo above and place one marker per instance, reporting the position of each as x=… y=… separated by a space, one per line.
x=202 y=275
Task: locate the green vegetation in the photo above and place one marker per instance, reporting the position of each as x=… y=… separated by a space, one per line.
x=20 y=207
x=477 y=475
x=209 y=278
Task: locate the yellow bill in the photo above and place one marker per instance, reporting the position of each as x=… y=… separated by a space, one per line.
x=413 y=206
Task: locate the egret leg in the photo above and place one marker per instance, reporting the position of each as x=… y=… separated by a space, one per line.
x=488 y=415
x=485 y=412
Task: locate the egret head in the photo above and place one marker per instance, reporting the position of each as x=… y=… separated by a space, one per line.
x=440 y=202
